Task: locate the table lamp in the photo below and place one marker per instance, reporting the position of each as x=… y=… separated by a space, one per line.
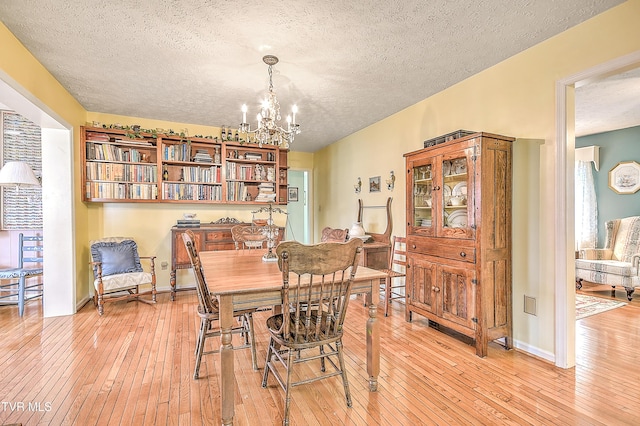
x=17 y=173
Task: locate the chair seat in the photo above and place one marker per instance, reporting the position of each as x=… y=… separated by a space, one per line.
x=615 y=267
x=19 y=272
x=124 y=281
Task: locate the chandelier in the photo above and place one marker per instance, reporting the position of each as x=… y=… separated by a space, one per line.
x=269 y=130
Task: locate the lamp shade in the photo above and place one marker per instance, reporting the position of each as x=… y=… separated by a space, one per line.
x=17 y=173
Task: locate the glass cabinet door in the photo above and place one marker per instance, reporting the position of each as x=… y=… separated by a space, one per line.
x=423 y=202
x=454 y=197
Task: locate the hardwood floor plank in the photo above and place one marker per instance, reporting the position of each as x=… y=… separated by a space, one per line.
x=134 y=365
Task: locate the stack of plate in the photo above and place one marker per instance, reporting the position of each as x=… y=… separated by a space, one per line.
x=425 y=222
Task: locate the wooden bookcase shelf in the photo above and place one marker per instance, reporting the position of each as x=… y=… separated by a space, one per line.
x=169 y=168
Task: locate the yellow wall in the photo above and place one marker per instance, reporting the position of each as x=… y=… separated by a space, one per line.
x=514 y=98
x=18 y=65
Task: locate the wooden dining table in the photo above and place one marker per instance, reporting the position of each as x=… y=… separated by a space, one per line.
x=240 y=279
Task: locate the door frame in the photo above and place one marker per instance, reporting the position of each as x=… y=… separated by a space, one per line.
x=564 y=271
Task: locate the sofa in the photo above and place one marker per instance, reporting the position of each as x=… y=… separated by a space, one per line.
x=617 y=263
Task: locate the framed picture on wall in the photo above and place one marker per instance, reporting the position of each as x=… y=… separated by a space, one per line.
x=293 y=194
x=374 y=184
x=624 y=178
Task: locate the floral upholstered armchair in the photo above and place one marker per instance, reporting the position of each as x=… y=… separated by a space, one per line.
x=617 y=263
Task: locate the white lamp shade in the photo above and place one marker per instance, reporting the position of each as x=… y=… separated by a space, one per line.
x=17 y=173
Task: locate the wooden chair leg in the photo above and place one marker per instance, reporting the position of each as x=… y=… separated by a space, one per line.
x=265 y=376
x=200 y=346
x=287 y=396
x=252 y=339
x=345 y=381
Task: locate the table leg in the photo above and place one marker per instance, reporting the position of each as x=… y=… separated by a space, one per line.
x=227 y=374
x=373 y=338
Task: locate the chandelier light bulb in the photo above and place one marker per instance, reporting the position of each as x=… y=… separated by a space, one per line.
x=244 y=113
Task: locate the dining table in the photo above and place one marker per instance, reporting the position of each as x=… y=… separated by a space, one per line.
x=240 y=279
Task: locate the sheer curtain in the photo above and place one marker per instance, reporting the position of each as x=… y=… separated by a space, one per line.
x=586 y=207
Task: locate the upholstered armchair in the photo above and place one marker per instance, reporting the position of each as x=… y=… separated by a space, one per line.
x=118 y=272
x=618 y=263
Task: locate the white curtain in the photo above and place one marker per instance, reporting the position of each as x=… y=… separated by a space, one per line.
x=586 y=207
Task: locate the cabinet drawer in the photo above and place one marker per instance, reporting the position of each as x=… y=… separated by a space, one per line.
x=218 y=237
x=440 y=247
x=219 y=246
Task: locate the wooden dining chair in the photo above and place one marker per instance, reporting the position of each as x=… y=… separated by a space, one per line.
x=330 y=234
x=209 y=312
x=397 y=269
x=249 y=236
x=315 y=298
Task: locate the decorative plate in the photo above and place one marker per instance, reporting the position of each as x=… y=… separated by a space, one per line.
x=446 y=190
x=460 y=189
x=459 y=166
x=446 y=168
x=457 y=219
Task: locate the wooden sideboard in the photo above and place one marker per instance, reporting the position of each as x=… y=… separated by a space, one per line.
x=209 y=237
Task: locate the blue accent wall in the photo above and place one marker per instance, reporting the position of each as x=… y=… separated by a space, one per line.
x=615 y=146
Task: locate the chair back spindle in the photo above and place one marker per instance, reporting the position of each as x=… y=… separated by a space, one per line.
x=316 y=288
x=205 y=300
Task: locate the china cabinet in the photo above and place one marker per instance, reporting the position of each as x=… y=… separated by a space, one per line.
x=459 y=236
x=169 y=168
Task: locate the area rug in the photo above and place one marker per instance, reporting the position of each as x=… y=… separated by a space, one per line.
x=589 y=305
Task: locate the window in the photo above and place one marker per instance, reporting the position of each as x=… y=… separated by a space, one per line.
x=21 y=140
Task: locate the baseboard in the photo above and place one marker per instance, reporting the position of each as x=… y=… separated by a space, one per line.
x=80 y=304
x=534 y=351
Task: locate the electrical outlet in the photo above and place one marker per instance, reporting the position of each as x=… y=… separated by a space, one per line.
x=164 y=265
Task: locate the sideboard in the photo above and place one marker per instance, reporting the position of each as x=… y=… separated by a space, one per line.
x=209 y=237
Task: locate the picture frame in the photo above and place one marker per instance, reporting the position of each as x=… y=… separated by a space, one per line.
x=374 y=184
x=624 y=178
x=293 y=194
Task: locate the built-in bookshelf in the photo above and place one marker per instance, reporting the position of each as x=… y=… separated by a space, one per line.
x=120 y=166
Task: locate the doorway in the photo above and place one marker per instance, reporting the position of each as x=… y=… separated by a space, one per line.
x=298 y=207
x=565 y=202
x=59 y=264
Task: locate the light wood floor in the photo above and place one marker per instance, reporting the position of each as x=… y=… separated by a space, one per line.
x=134 y=366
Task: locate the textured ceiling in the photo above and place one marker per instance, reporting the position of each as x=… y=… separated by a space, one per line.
x=345 y=64
x=609 y=104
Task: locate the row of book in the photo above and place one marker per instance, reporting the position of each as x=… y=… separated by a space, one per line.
x=122 y=191
x=96 y=151
x=183 y=191
x=178 y=152
x=122 y=172
x=105 y=138
x=201 y=174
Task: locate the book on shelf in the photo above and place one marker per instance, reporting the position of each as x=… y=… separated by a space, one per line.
x=266 y=192
x=133 y=141
x=188 y=223
x=202 y=156
x=252 y=156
